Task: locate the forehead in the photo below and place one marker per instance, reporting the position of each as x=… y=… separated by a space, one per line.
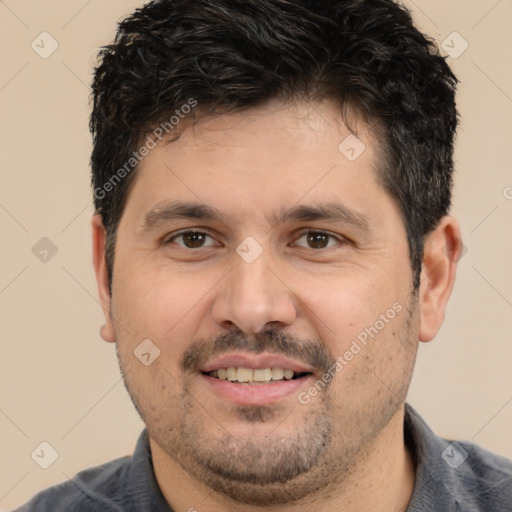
x=301 y=127
x=258 y=161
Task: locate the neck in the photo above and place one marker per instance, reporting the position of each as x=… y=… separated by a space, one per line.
x=381 y=480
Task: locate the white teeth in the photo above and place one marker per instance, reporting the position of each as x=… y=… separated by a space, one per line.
x=240 y=374
x=277 y=373
x=288 y=374
x=263 y=375
x=244 y=374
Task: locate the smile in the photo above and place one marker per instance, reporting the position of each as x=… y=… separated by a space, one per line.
x=255 y=376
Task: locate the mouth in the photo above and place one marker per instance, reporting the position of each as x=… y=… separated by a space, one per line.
x=255 y=376
x=250 y=379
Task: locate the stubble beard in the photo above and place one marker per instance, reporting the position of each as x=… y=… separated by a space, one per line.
x=327 y=444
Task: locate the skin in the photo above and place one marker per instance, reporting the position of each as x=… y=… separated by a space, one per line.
x=345 y=447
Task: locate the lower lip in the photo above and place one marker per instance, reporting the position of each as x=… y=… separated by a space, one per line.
x=255 y=394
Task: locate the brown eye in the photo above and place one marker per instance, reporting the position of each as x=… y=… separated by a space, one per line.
x=318 y=240
x=191 y=239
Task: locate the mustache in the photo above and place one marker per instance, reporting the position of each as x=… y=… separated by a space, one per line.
x=312 y=353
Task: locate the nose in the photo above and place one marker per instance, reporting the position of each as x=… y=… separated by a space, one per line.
x=254 y=296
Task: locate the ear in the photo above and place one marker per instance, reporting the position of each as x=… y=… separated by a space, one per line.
x=442 y=251
x=100 y=267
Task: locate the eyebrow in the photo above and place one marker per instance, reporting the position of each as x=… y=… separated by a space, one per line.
x=179 y=210
x=329 y=212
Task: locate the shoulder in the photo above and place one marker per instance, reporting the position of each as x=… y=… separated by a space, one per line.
x=484 y=478
x=456 y=475
x=94 y=489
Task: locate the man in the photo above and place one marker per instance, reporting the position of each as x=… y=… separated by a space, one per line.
x=272 y=182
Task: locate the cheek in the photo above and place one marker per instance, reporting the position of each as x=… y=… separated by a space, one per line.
x=155 y=303
x=343 y=307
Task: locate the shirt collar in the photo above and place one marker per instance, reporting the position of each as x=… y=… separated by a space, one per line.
x=144 y=489
x=435 y=480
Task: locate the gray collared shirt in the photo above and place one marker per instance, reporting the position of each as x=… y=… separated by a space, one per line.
x=450 y=477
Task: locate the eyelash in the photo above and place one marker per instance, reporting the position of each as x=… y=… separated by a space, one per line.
x=167 y=241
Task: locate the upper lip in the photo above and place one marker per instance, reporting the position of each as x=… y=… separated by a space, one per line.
x=254 y=361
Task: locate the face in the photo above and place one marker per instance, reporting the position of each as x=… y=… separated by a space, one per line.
x=252 y=243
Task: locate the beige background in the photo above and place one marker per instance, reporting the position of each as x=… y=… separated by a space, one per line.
x=60 y=381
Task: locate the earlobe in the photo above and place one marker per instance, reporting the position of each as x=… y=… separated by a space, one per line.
x=107 y=331
x=442 y=251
